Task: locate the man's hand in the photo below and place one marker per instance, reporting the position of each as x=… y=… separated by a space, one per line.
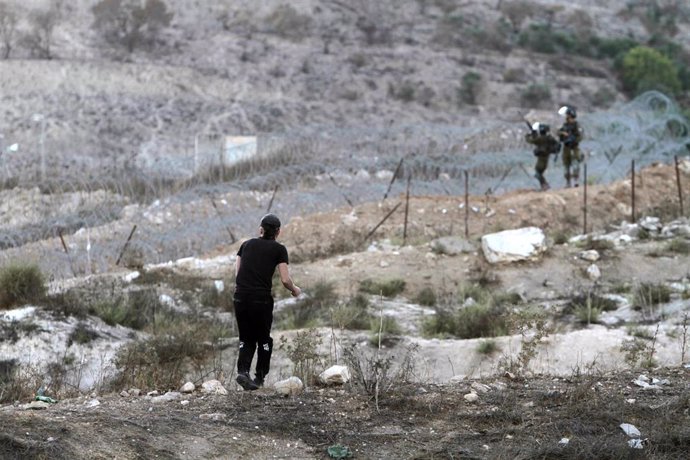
x=296 y=291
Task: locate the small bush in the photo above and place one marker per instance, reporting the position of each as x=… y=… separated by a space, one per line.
x=303 y=351
x=178 y=343
x=650 y=294
x=353 y=314
x=678 y=246
x=587 y=314
x=312 y=310
x=475 y=321
x=536 y=95
x=515 y=75
x=387 y=288
x=487 y=347
x=404 y=92
x=597 y=244
x=426 y=297
x=596 y=302
x=82 y=334
x=21 y=284
x=387 y=327
x=644 y=69
x=286 y=22
x=470 y=87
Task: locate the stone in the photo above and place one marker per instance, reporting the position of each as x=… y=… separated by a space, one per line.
x=593 y=272
x=213 y=387
x=36 y=405
x=289 y=387
x=124 y=394
x=335 y=375
x=215 y=417
x=651 y=224
x=167 y=397
x=92 y=403
x=185 y=402
x=471 y=397
x=187 y=388
x=480 y=387
x=630 y=430
x=514 y=245
x=592 y=255
x=134 y=392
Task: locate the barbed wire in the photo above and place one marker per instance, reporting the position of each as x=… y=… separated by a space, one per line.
x=189 y=204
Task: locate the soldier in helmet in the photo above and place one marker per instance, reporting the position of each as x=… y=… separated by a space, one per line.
x=544 y=145
x=571 y=135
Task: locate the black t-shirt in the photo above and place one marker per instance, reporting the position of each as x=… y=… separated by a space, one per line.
x=259 y=259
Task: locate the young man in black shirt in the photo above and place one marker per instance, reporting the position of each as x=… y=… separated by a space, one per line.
x=256 y=262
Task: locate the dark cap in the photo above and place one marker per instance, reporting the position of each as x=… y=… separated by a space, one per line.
x=270 y=219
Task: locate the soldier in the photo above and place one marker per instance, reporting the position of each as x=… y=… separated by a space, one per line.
x=571 y=135
x=544 y=145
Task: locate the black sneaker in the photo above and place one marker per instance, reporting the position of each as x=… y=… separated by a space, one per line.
x=246 y=383
x=258 y=382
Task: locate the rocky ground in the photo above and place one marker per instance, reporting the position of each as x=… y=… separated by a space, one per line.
x=565 y=396
x=579 y=416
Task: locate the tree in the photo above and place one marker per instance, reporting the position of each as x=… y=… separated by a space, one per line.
x=128 y=24
x=40 y=39
x=645 y=69
x=8 y=28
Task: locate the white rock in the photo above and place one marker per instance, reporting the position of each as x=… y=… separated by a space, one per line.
x=216 y=417
x=471 y=397
x=643 y=378
x=480 y=387
x=289 y=387
x=167 y=397
x=630 y=430
x=219 y=285
x=187 y=388
x=124 y=394
x=185 y=402
x=563 y=442
x=134 y=392
x=651 y=224
x=593 y=272
x=384 y=175
x=592 y=255
x=514 y=245
x=636 y=443
x=213 y=387
x=335 y=375
x=131 y=276
x=92 y=403
x=152 y=393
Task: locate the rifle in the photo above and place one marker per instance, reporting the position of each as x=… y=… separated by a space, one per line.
x=529 y=126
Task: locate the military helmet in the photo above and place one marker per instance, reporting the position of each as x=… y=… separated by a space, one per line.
x=567 y=111
x=541 y=128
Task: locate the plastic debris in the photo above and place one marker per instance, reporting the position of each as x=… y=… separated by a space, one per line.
x=47 y=399
x=630 y=430
x=338 y=451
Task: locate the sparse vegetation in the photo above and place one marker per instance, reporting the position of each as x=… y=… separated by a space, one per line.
x=384 y=329
x=129 y=24
x=303 y=351
x=311 y=311
x=20 y=284
x=470 y=87
x=353 y=314
x=82 y=334
x=484 y=314
x=426 y=297
x=487 y=347
x=649 y=295
x=536 y=95
x=386 y=288
x=678 y=246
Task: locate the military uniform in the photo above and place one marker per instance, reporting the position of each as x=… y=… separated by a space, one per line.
x=571 y=135
x=544 y=145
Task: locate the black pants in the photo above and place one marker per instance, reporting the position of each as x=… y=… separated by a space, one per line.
x=254 y=318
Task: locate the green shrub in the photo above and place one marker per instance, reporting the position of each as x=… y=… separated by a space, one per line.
x=587 y=314
x=650 y=294
x=479 y=320
x=387 y=288
x=597 y=244
x=303 y=351
x=426 y=297
x=536 y=95
x=388 y=328
x=21 y=284
x=312 y=310
x=644 y=69
x=597 y=302
x=178 y=343
x=353 y=314
x=82 y=334
x=137 y=311
x=470 y=86
x=487 y=347
x=678 y=246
